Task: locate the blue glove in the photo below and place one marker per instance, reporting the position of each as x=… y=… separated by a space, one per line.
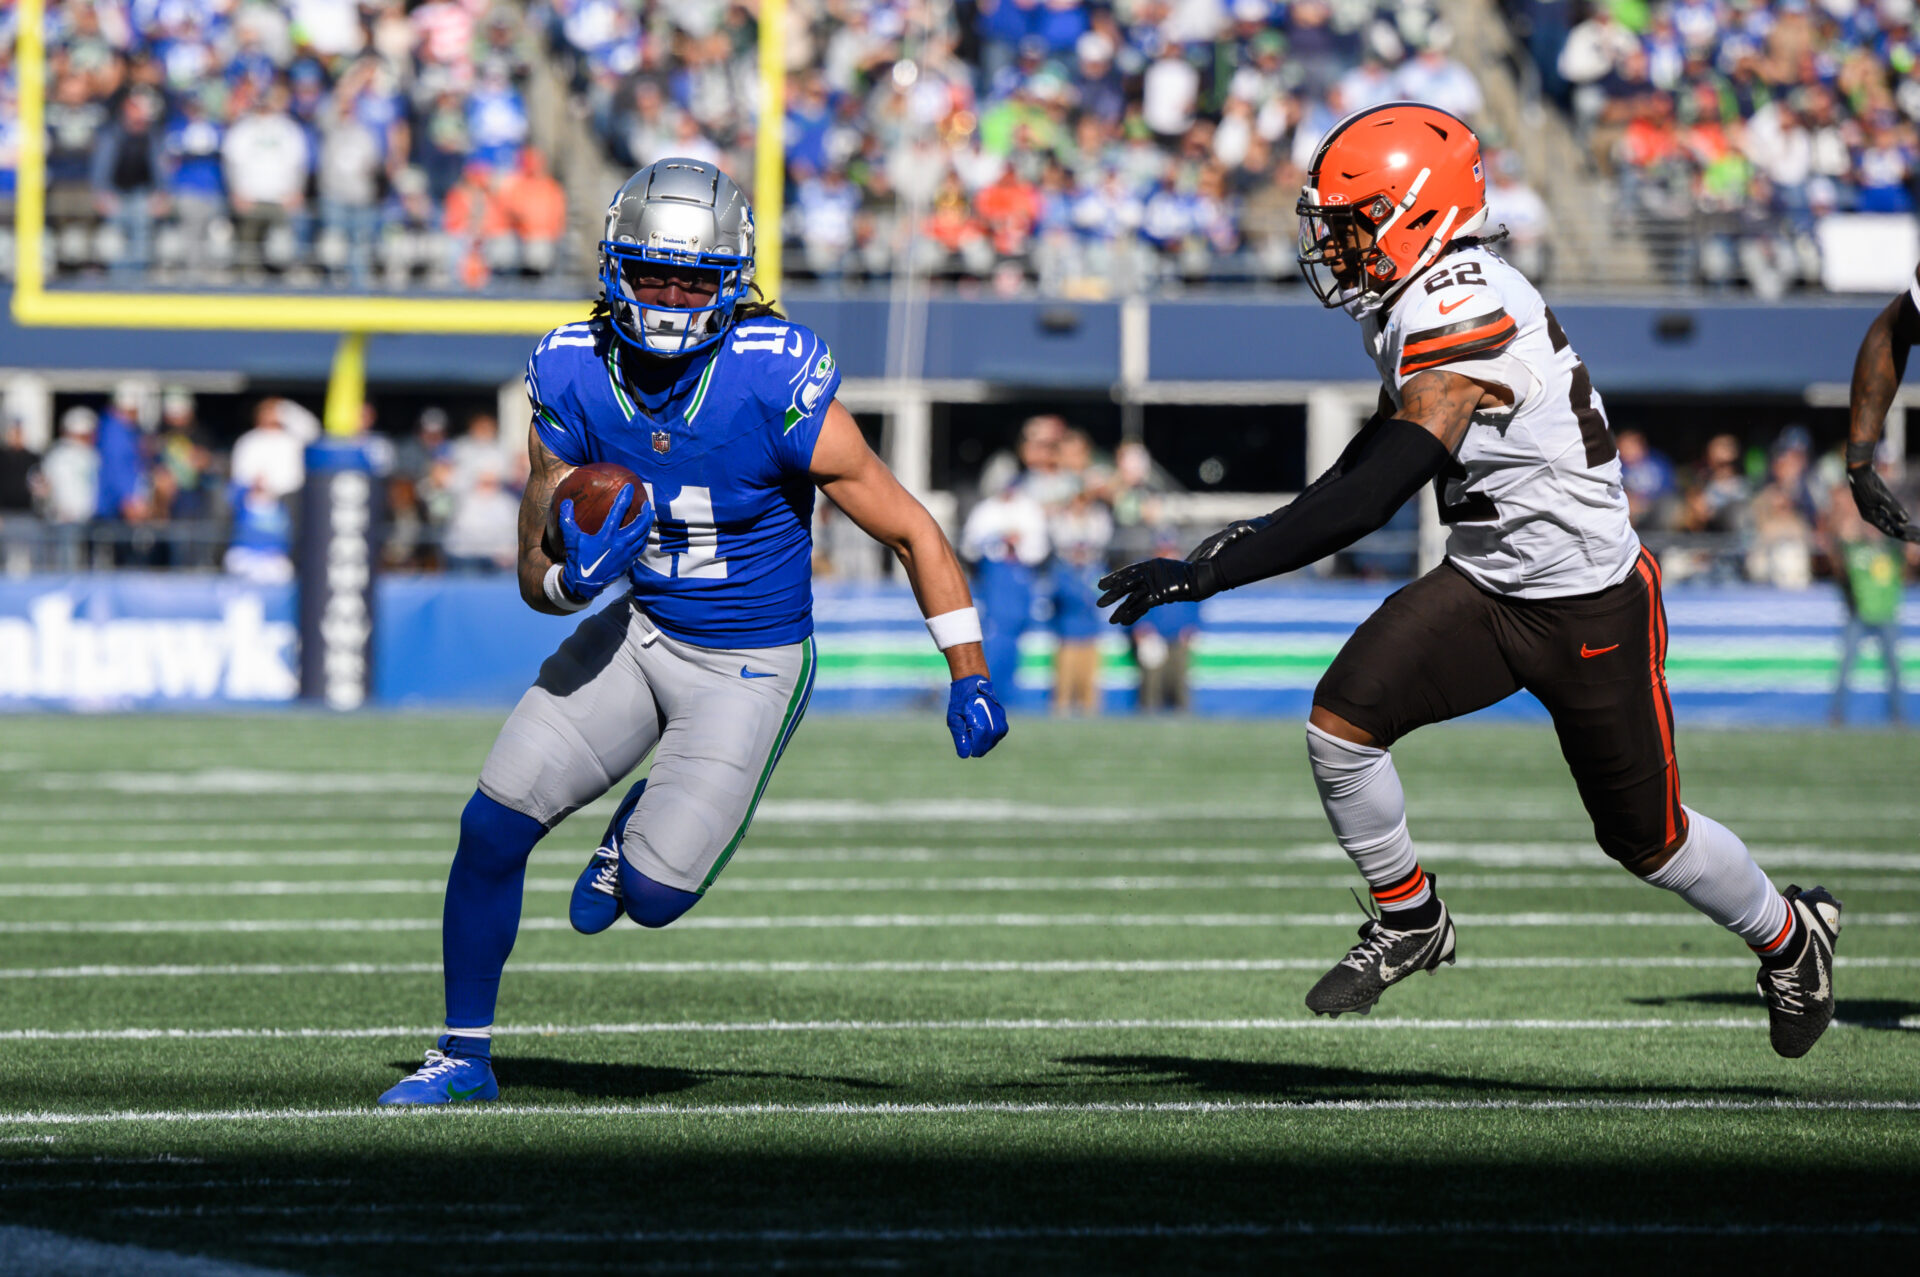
x=598 y=559
x=974 y=717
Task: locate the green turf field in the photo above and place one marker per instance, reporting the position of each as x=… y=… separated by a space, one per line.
x=1037 y=1013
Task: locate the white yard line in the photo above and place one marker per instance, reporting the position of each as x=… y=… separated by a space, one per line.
x=670 y=1027
x=751 y=922
x=748 y=884
x=1439 y=855
x=957 y=1108
x=1060 y=966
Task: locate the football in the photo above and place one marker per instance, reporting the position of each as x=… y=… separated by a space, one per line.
x=592 y=489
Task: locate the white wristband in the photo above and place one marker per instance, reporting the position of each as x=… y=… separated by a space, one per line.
x=951 y=629
x=557 y=593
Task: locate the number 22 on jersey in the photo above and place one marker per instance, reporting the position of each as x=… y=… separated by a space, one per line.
x=685 y=541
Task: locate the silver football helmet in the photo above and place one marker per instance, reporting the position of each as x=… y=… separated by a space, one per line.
x=681 y=213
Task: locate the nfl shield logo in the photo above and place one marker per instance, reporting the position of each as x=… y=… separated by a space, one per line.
x=660 y=441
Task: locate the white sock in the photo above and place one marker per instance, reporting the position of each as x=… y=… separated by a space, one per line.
x=486 y=1032
x=1367 y=808
x=1714 y=873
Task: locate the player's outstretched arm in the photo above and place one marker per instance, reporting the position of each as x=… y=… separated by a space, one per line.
x=1877 y=371
x=1387 y=462
x=545 y=471
x=857 y=481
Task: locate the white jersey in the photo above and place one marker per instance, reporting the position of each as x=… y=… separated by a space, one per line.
x=1533 y=498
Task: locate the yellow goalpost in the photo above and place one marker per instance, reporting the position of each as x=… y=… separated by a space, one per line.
x=353 y=316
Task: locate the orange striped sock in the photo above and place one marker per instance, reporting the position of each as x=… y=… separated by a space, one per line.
x=1782 y=944
x=1409 y=902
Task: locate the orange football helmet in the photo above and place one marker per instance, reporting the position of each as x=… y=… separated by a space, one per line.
x=1407 y=174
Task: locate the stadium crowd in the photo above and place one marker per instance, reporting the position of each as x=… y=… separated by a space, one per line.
x=1104 y=145
x=1771 y=515
x=1745 y=121
x=141 y=483
x=1081 y=146
x=371 y=142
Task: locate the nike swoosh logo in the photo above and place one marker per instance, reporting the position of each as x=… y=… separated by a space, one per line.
x=1389 y=974
x=588 y=570
x=456 y=1094
x=1588 y=653
x=1448 y=310
x=747 y=673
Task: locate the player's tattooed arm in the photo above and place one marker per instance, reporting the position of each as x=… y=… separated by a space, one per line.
x=1878 y=369
x=857 y=481
x=1443 y=403
x=544 y=473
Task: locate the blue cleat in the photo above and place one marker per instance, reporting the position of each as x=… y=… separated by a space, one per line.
x=446 y=1079
x=596 y=903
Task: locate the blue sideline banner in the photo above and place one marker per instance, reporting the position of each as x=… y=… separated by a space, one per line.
x=148 y=640
x=145 y=641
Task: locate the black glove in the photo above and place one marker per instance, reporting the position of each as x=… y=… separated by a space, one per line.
x=1151 y=582
x=1225 y=537
x=1879 y=506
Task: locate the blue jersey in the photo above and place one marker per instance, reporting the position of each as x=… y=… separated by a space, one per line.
x=722 y=440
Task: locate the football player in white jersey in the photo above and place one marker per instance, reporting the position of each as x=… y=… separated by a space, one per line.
x=1877 y=371
x=1545 y=585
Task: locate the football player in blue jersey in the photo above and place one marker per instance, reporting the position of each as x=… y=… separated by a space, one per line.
x=726 y=412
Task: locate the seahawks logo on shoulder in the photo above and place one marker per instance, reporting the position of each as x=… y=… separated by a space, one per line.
x=814 y=383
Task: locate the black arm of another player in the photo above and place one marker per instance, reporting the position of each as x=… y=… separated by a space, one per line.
x=1877 y=371
x=1385 y=464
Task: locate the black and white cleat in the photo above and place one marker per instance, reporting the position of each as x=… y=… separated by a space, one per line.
x=1383 y=958
x=1799 y=991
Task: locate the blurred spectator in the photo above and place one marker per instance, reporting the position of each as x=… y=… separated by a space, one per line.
x=1647 y=476
x=125 y=498
x=20 y=485
x=1512 y=204
x=266 y=160
x=1163 y=645
x=269 y=458
x=185 y=474
x=348 y=181
x=1435 y=77
x=1005 y=538
x=536 y=209
x=1718 y=499
x=261 y=549
x=483 y=534
x=1783 y=516
x=1080 y=534
x=478 y=231
x=196 y=184
x=126 y=174
x=71 y=473
x=1872 y=576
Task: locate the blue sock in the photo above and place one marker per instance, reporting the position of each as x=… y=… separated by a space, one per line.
x=649 y=903
x=483 y=906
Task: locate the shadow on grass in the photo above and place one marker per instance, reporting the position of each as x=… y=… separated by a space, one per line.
x=627 y=1081
x=1861 y=1013
x=1276 y=1079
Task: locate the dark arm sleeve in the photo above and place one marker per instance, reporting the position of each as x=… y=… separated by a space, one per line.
x=1386 y=463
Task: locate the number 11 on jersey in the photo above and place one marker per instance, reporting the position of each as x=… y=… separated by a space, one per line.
x=684 y=522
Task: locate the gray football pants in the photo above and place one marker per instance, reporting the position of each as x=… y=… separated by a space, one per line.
x=716 y=720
